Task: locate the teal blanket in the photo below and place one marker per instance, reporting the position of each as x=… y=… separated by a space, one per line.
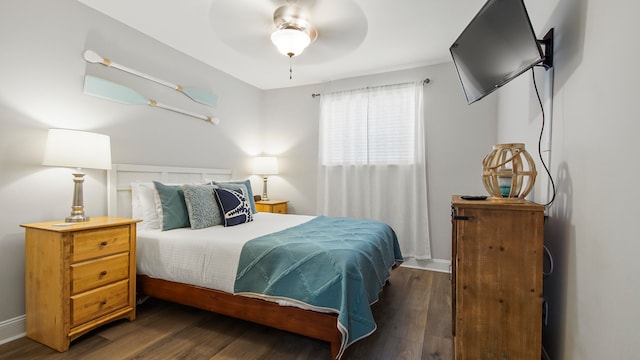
x=340 y=264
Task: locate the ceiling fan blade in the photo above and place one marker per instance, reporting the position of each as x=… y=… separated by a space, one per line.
x=349 y=17
x=244 y=25
x=307 y=5
x=339 y=33
x=241 y=15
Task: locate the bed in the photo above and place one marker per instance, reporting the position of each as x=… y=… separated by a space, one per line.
x=230 y=280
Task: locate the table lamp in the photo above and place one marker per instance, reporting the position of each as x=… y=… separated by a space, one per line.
x=77 y=149
x=265 y=165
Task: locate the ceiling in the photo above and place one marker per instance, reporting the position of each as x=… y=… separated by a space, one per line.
x=355 y=37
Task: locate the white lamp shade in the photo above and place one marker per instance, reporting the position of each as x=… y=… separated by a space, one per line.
x=290 y=42
x=265 y=165
x=78 y=149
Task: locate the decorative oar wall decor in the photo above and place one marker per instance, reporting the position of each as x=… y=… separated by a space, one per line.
x=111 y=91
x=194 y=94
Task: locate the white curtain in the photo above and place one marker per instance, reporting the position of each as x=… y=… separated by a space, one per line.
x=372 y=160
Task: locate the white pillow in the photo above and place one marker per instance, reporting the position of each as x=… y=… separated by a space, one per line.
x=136 y=206
x=143 y=205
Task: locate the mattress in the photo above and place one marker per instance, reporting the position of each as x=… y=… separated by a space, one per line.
x=206 y=257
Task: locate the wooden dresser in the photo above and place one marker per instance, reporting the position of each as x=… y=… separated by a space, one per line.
x=497 y=279
x=272 y=206
x=78 y=277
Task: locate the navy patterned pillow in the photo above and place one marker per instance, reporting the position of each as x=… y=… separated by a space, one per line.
x=234 y=206
x=239 y=184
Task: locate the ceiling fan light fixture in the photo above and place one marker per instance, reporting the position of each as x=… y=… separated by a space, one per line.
x=290 y=41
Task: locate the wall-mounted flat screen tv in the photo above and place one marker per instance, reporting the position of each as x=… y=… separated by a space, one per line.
x=498 y=45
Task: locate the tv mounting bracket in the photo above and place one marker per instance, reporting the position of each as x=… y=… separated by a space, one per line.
x=547 y=43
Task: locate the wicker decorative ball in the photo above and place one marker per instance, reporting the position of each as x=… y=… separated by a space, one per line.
x=508 y=172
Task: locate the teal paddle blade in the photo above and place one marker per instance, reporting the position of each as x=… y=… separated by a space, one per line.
x=200 y=96
x=111 y=91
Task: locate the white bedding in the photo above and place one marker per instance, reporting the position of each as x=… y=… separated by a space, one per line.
x=206 y=257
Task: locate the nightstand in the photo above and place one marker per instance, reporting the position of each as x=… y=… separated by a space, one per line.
x=272 y=206
x=78 y=276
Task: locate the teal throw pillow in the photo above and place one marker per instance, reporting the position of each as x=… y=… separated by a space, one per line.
x=173 y=206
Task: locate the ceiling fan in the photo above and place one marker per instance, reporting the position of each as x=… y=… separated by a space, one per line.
x=293 y=30
x=329 y=28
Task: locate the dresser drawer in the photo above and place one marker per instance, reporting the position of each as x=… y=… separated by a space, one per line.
x=95 y=303
x=91 y=274
x=95 y=243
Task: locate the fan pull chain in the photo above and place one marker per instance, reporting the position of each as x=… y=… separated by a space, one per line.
x=290 y=70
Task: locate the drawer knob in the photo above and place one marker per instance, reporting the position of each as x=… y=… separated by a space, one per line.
x=103 y=244
x=103 y=302
x=103 y=273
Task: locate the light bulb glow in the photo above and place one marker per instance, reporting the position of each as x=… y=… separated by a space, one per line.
x=290 y=42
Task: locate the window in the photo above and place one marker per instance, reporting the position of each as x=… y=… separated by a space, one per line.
x=369 y=126
x=372 y=161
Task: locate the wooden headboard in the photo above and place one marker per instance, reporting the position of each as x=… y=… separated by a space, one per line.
x=121 y=176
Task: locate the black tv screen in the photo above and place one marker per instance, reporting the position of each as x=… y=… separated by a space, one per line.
x=498 y=45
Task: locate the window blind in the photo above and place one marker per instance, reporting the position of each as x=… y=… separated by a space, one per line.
x=369 y=126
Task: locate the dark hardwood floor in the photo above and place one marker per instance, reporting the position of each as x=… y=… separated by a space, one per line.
x=413 y=316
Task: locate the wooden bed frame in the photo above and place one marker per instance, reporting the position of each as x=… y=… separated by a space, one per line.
x=317 y=325
x=322 y=326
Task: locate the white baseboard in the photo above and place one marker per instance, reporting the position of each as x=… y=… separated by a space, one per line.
x=12 y=329
x=438 y=265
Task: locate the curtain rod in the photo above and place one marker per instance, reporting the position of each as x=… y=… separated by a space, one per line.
x=424 y=82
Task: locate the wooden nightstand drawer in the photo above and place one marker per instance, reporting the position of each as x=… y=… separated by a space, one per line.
x=95 y=303
x=95 y=273
x=272 y=206
x=279 y=208
x=95 y=243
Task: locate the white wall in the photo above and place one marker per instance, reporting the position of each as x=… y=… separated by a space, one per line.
x=591 y=230
x=290 y=126
x=41 y=80
x=42 y=77
x=458 y=137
